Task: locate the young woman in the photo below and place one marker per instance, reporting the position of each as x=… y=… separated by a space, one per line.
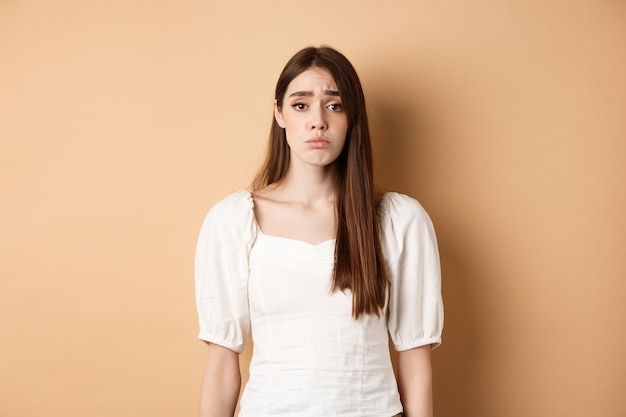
x=320 y=267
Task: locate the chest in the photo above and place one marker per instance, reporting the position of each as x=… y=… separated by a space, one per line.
x=292 y=277
x=293 y=308
x=313 y=225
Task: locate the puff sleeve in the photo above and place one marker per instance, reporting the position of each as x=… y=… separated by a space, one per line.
x=221 y=271
x=415 y=306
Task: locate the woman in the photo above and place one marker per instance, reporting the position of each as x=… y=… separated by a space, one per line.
x=319 y=266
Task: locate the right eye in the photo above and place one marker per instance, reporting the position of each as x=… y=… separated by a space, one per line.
x=299 y=106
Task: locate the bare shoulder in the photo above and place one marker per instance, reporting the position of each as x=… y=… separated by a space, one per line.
x=268 y=206
x=267 y=197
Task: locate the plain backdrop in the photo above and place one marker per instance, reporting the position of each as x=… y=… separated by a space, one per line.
x=122 y=122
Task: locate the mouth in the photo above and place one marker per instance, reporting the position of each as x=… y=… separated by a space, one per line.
x=318 y=142
x=318 y=139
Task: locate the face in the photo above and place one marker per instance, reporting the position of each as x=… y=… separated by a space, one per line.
x=313 y=118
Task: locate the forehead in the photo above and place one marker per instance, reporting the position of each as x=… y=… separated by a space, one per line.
x=312 y=79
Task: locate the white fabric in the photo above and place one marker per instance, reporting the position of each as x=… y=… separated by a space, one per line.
x=311 y=358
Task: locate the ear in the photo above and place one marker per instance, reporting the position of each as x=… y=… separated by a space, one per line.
x=278 y=115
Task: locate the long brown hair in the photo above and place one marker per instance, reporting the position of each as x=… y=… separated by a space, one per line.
x=358 y=258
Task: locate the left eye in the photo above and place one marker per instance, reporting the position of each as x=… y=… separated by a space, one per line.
x=335 y=107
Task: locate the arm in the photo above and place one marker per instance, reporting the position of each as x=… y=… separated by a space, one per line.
x=415 y=382
x=221 y=383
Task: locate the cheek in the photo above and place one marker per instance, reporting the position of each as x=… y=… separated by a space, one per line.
x=344 y=126
x=291 y=121
x=341 y=122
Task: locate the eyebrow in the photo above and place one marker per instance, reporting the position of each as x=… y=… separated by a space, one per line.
x=310 y=93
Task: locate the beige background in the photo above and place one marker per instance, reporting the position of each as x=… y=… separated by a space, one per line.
x=122 y=122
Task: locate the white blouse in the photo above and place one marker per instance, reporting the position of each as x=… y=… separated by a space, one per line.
x=310 y=357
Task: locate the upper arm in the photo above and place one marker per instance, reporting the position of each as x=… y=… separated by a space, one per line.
x=415 y=381
x=222 y=361
x=221 y=272
x=221 y=382
x=415 y=361
x=412 y=259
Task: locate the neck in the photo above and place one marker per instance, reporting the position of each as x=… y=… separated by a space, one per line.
x=309 y=185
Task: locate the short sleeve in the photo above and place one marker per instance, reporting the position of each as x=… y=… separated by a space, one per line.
x=221 y=271
x=415 y=306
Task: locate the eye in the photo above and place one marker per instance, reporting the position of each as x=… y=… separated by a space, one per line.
x=335 y=107
x=299 y=106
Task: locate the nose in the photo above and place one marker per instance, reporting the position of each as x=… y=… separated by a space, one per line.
x=318 y=118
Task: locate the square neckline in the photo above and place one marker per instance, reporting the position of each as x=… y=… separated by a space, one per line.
x=283 y=238
x=295 y=241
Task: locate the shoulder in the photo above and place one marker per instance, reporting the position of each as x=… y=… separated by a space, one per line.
x=232 y=215
x=398 y=207
x=405 y=225
x=237 y=203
